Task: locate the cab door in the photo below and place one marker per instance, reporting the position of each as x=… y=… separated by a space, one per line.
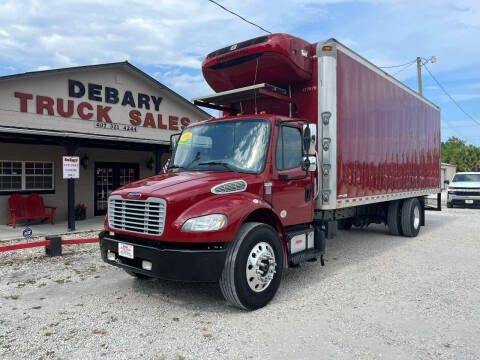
x=292 y=190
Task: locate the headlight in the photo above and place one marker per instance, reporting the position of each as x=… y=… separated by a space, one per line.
x=205 y=223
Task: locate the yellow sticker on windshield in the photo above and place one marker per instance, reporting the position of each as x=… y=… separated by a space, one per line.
x=185 y=139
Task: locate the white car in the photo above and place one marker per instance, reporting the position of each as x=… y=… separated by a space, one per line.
x=464 y=189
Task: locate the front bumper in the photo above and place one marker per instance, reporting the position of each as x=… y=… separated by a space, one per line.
x=463 y=199
x=202 y=265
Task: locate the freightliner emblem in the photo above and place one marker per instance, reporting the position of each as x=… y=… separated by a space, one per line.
x=134 y=195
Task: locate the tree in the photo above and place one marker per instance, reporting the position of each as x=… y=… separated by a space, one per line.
x=455 y=151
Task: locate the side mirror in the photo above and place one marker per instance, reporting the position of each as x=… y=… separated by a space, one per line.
x=306 y=138
x=447 y=182
x=306 y=163
x=309 y=163
x=309 y=137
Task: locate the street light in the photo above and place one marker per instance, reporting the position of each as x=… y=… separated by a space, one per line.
x=433 y=60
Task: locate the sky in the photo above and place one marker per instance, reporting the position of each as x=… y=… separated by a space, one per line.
x=168 y=39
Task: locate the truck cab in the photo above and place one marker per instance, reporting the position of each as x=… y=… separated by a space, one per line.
x=464 y=190
x=235 y=181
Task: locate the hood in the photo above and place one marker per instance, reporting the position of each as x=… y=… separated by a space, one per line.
x=465 y=184
x=184 y=185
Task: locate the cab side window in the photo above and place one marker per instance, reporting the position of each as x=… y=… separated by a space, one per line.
x=289 y=148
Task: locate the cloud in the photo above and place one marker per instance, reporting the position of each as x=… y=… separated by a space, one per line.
x=43 y=68
x=188 y=85
x=170 y=38
x=180 y=33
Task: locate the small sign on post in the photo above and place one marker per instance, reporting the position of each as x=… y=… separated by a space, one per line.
x=71 y=167
x=27 y=233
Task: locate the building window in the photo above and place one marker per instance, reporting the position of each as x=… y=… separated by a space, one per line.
x=26 y=175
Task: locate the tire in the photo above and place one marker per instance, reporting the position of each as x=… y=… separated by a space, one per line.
x=235 y=286
x=345 y=224
x=138 y=275
x=394 y=218
x=411 y=214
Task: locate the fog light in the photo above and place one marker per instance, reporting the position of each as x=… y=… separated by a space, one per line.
x=111 y=233
x=146 y=265
x=111 y=255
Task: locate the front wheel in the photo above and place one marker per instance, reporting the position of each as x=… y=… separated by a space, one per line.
x=253 y=267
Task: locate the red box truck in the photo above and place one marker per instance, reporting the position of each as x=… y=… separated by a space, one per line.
x=312 y=137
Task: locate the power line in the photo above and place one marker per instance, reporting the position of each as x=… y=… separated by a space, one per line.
x=406 y=67
x=453 y=128
x=241 y=17
x=395 y=66
x=450 y=96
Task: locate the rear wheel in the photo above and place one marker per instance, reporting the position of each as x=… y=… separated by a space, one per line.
x=394 y=218
x=138 y=275
x=253 y=267
x=411 y=213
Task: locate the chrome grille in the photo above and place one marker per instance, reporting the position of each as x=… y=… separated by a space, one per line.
x=465 y=193
x=137 y=216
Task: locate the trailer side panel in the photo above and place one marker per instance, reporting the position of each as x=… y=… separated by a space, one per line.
x=388 y=140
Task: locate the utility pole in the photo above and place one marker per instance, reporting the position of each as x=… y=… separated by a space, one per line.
x=419 y=74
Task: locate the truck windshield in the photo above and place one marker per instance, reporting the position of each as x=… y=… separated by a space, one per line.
x=231 y=145
x=466 y=177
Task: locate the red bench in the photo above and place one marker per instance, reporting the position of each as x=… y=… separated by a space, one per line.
x=28 y=208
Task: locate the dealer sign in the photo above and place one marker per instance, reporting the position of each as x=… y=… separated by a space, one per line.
x=114 y=100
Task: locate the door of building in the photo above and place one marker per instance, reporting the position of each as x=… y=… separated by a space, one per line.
x=108 y=177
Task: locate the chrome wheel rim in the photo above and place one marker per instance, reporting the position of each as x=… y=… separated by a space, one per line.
x=416 y=217
x=261 y=267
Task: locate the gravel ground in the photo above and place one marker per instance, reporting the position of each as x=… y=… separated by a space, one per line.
x=378 y=297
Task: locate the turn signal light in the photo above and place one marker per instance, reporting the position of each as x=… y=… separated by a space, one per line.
x=327 y=48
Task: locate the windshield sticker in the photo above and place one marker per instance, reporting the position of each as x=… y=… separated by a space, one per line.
x=186 y=139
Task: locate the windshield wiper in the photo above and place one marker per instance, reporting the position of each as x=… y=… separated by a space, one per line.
x=175 y=167
x=224 y=164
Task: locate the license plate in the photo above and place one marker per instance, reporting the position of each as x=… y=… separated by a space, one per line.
x=125 y=250
x=468 y=201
